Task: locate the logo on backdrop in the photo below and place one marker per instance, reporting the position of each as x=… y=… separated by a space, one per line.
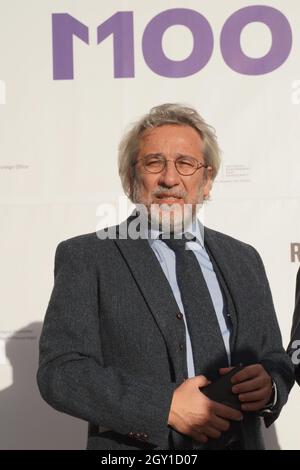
x=234 y=173
x=295 y=252
x=121 y=26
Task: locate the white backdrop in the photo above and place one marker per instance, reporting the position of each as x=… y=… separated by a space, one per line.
x=58 y=161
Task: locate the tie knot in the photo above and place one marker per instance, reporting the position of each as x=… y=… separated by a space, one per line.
x=176 y=244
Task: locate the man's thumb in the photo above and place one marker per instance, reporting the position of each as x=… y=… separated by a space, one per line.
x=201 y=381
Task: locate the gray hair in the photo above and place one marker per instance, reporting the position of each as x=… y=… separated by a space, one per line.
x=168 y=113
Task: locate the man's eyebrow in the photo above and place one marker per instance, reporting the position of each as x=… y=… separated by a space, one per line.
x=154 y=155
x=185 y=156
x=158 y=154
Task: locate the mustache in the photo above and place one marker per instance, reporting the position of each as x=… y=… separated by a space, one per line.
x=178 y=193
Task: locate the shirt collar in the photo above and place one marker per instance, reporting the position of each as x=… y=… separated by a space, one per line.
x=194 y=230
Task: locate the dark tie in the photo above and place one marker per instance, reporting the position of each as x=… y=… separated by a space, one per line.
x=209 y=352
x=207 y=343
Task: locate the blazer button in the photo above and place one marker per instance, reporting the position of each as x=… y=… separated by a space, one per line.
x=181 y=347
x=130 y=434
x=179 y=316
x=144 y=436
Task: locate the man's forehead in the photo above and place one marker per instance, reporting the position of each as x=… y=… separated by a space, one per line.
x=187 y=143
x=170 y=132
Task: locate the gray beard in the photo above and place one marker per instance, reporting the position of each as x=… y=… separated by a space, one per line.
x=173 y=218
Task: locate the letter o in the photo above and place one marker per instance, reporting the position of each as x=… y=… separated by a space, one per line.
x=282 y=39
x=152 y=43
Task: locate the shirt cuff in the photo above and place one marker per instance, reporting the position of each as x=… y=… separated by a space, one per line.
x=271 y=405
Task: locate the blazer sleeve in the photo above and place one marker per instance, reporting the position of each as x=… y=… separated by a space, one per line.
x=72 y=377
x=273 y=356
x=294 y=346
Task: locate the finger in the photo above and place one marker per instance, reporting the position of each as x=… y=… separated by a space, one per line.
x=254 y=406
x=225 y=370
x=212 y=432
x=257 y=395
x=227 y=412
x=220 y=423
x=200 y=381
x=249 y=385
x=247 y=373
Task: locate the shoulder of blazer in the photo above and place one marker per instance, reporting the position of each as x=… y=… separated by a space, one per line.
x=87 y=240
x=84 y=247
x=102 y=238
x=227 y=242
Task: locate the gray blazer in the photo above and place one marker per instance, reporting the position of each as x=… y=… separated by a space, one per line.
x=109 y=349
x=295 y=334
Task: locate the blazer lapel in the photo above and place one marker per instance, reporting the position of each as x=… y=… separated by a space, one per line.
x=225 y=266
x=158 y=295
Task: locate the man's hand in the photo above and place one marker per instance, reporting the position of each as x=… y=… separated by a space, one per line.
x=253 y=385
x=194 y=415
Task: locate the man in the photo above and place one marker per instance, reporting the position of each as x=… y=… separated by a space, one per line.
x=136 y=327
x=294 y=346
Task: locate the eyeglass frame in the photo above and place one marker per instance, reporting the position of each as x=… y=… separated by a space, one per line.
x=165 y=160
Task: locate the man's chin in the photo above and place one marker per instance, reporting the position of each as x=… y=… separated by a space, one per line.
x=170 y=218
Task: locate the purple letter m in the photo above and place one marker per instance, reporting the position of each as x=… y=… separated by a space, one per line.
x=64 y=27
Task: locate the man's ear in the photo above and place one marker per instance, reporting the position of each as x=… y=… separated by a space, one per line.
x=208 y=183
x=132 y=176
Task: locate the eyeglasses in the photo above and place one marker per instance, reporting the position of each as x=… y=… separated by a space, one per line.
x=185 y=165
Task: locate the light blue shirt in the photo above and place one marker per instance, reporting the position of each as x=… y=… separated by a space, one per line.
x=167 y=260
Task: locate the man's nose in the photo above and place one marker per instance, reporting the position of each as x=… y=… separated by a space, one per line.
x=169 y=176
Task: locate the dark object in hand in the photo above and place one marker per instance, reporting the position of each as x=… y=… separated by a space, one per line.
x=221 y=390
